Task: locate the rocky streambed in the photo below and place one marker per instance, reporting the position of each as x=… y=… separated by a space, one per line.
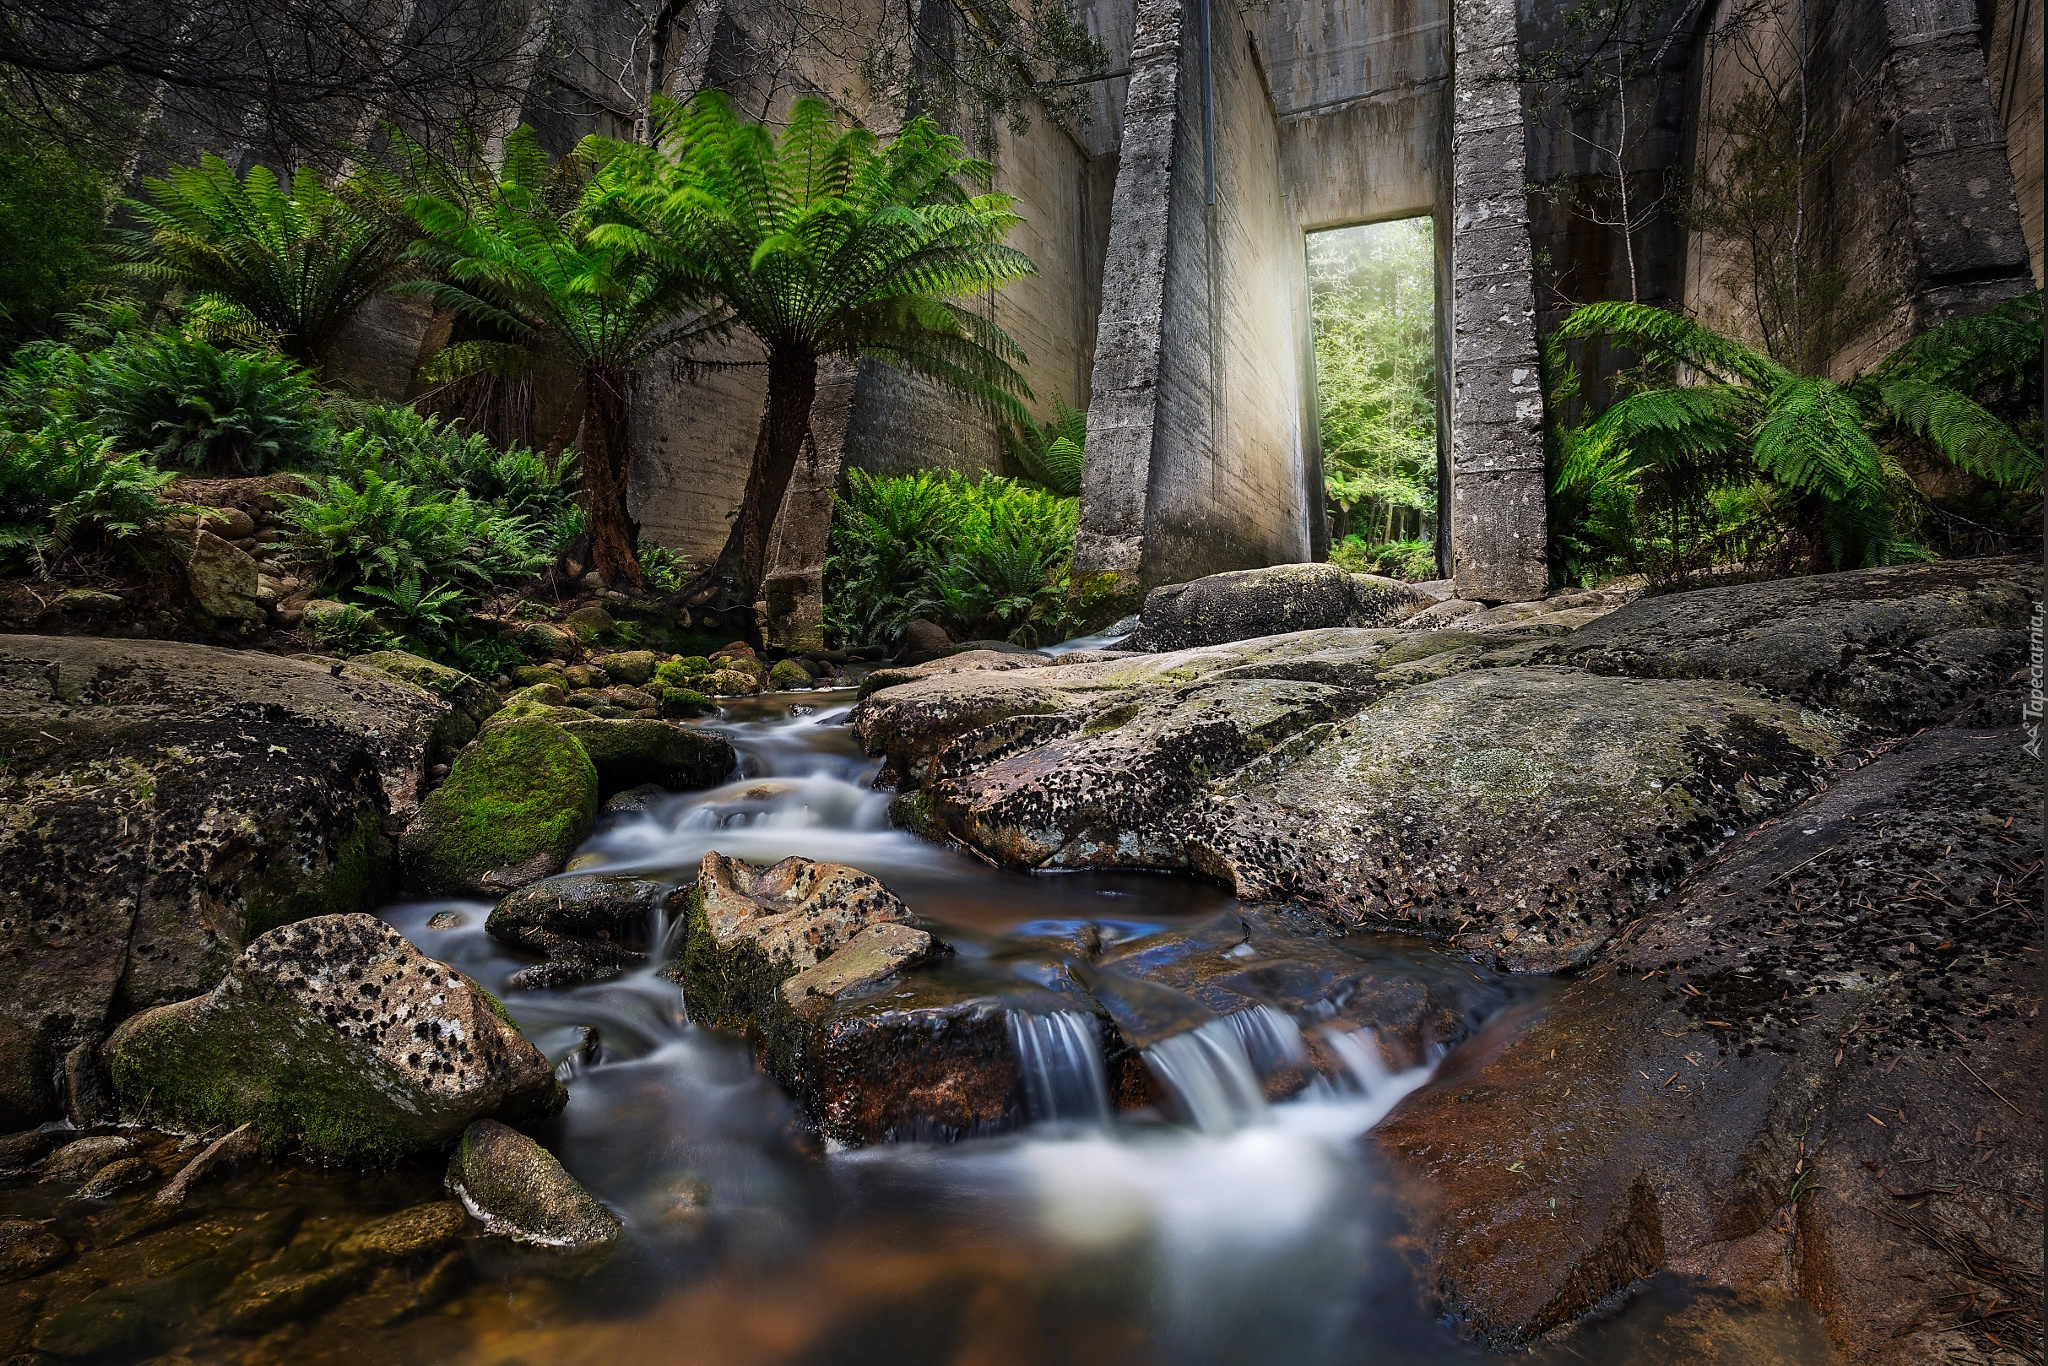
x=1637 y=981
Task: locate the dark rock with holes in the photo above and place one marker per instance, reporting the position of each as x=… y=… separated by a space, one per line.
x=1815 y=1071
x=1269 y=602
x=26 y=1098
x=471 y=702
x=338 y=1035
x=1900 y=648
x=589 y=926
x=1529 y=813
x=517 y=1190
x=166 y=803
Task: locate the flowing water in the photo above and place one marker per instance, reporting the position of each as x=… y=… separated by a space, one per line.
x=1215 y=1227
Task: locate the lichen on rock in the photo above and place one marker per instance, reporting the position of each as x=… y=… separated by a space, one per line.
x=517 y=1189
x=337 y=1035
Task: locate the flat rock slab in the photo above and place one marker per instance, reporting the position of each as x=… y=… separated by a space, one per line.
x=1900 y=647
x=1531 y=813
x=338 y=1035
x=1815 y=1071
x=162 y=803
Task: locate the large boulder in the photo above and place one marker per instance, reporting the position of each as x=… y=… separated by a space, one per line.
x=1815 y=1071
x=1270 y=602
x=518 y=1190
x=516 y=804
x=338 y=1035
x=1530 y=813
x=471 y=702
x=629 y=752
x=162 y=804
x=1900 y=648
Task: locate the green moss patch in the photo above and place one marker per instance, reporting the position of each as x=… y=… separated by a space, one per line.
x=523 y=796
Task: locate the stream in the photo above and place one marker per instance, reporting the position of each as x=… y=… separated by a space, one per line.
x=1216 y=1227
x=1228 y=1230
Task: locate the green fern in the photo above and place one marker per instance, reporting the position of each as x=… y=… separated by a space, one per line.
x=1673 y=447
x=1052 y=453
x=286 y=260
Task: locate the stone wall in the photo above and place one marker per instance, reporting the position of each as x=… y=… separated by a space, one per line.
x=1915 y=205
x=2013 y=48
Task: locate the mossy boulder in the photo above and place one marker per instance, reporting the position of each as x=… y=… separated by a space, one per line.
x=590 y=624
x=789 y=675
x=530 y=675
x=681 y=704
x=162 y=804
x=630 y=751
x=471 y=702
x=630 y=667
x=685 y=672
x=750 y=929
x=731 y=683
x=515 y=806
x=222 y=580
x=545 y=701
x=338 y=1036
x=518 y=1190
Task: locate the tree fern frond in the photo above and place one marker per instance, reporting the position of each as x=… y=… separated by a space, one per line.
x=1963 y=431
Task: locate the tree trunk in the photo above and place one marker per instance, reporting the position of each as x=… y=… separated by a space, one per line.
x=785 y=427
x=614 y=535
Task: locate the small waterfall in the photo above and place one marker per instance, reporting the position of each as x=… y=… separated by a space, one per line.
x=1210 y=1074
x=1061 y=1061
x=1270 y=1039
x=1359 y=1050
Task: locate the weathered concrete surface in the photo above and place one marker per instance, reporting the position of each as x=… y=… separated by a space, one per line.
x=1814 y=1071
x=2014 y=57
x=1497 y=511
x=162 y=804
x=1199 y=454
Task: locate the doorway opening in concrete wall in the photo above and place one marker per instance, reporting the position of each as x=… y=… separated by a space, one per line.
x=1372 y=292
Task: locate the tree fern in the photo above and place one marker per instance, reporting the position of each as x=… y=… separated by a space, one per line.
x=823 y=241
x=1676 y=445
x=294 y=259
x=1052 y=453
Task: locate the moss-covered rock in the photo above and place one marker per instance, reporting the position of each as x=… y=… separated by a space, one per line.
x=531 y=675
x=749 y=929
x=517 y=1190
x=222 y=580
x=788 y=675
x=544 y=701
x=590 y=624
x=470 y=701
x=731 y=683
x=161 y=804
x=630 y=667
x=337 y=1035
x=514 y=807
x=629 y=752
x=681 y=704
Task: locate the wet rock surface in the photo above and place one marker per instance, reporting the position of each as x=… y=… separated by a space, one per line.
x=1266 y=602
x=517 y=1190
x=336 y=1035
x=630 y=752
x=161 y=804
x=1900 y=647
x=589 y=926
x=1813 y=1071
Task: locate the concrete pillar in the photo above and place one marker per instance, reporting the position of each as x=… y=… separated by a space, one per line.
x=1952 y=160
x=1495 y=503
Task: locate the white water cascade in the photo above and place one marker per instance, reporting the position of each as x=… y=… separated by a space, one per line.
x=1061 y=1061
x=1211 y=1076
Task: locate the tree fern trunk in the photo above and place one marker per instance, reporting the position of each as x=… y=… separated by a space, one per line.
x=785 y=427
x=614 y=535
